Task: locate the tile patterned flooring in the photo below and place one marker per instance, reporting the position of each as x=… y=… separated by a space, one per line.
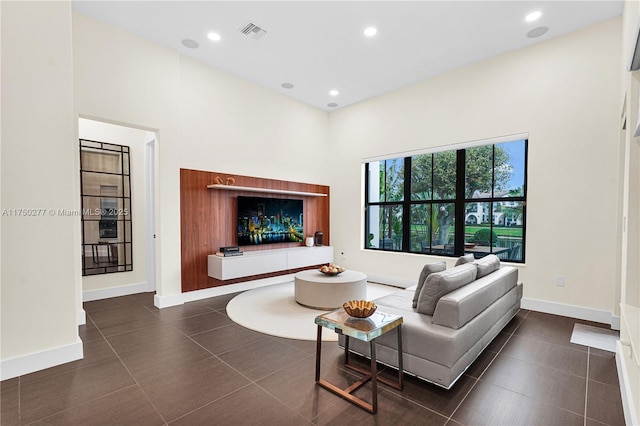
x=191 y=365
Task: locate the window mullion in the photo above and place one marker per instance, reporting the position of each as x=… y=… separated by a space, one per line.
x=432 y=192
x=493 y=195
x=406 y=206
x=367 y=169
x=459 y=202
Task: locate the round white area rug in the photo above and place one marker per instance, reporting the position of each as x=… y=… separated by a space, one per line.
x=273 y=310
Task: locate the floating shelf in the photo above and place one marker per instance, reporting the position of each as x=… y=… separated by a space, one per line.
x=267 y=261
x=267 y=190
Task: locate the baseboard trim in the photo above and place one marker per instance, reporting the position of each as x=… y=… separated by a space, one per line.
x=191 y=296
x=81 y=317
x=571 y=311
x=615 y=323
x=392 y=281
x=628 y=405
x=37 y=361
x=123 y=290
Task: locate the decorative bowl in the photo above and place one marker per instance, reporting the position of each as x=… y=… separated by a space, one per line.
x=469 y=245
x=359 y=308
x=331 y=269
x=331 y=273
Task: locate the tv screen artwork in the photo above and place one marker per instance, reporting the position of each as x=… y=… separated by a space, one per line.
x=264 y=220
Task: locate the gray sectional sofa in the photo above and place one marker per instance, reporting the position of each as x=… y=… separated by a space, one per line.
x=457 y=313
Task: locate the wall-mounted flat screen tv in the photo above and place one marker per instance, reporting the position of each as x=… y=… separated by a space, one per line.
x=263 y=220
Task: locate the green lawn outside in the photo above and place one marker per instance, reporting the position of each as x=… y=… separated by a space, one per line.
x=501 y=231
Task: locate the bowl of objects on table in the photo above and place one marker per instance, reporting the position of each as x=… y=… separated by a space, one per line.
x=359 y=308
x=331 y=269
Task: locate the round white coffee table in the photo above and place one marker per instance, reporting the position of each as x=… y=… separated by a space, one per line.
x=316 y=290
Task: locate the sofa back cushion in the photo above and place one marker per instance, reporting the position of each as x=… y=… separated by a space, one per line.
x=428 y=269
x=487 y=265
x=457 y=308
x=440 y=283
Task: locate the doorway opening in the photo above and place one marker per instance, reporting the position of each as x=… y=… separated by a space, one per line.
x=133 y=217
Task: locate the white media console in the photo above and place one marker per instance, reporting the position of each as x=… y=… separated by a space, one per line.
x=266 y=261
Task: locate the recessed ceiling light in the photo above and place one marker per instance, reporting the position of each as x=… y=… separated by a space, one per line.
x=537 y=32
x=286 y=86
x=533 y=16
x=334 y=92
x=214 y=36
x=191 y=44
x=370 y=32
x=332 y=105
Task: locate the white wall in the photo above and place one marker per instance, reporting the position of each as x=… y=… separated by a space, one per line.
x=135 y=83
x=205 y=119
x=565 y=94
x=136 y=280
x=40 y=254
x=230 y=125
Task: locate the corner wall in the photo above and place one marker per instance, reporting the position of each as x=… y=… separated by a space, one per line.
x=627 y=357
x=40 y=254
x=565 y=94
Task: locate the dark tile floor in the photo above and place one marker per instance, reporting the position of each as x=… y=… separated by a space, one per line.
x=191 y=365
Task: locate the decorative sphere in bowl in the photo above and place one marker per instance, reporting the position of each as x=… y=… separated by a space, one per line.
x=331 y=269
x=359 y=308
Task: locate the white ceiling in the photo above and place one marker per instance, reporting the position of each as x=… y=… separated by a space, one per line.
x=319 y=45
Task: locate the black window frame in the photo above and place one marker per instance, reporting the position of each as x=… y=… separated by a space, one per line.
x=459 y=202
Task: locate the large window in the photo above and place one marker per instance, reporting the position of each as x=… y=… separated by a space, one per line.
x=450 y=203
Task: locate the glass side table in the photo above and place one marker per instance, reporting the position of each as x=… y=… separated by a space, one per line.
x=367 y=330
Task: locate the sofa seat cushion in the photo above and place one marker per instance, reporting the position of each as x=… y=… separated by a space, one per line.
x=440 y=283
x=400 y=301
x=459 y=307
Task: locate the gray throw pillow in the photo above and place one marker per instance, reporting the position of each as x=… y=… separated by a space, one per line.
x=440 y=283
x=467 y=258
x=487 y=265
x=428 y=269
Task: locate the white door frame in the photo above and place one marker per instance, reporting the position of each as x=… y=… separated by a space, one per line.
x=150 y=207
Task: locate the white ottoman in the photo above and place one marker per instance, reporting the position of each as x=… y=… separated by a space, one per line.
x=316 y=290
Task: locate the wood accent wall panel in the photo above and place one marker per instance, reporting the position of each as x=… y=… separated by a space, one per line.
x=208 y=220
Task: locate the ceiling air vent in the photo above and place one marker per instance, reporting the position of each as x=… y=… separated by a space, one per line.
x=252 y=30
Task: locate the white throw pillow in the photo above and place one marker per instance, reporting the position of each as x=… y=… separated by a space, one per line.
x=487 y=265
x=467 y=258
x=440 y=283
x=428 y=269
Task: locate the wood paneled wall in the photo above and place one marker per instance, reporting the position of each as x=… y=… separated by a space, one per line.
x=208 y=220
